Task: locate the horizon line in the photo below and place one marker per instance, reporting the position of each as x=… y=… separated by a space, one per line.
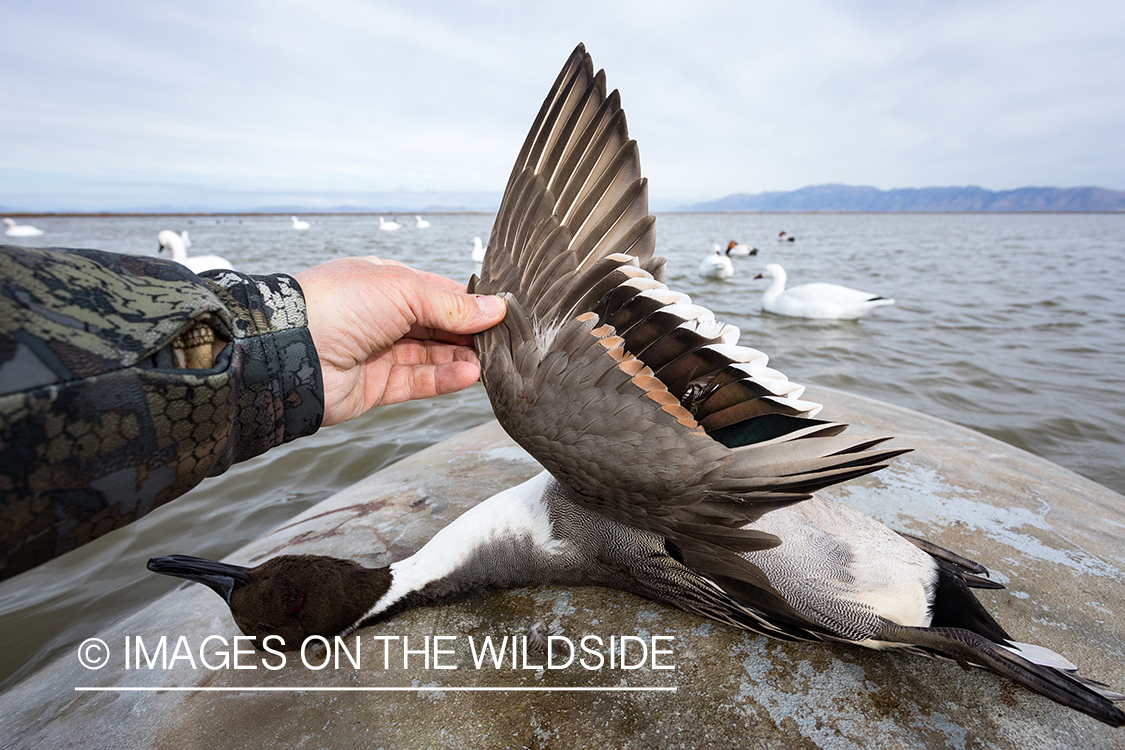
x=482 y=212
x=345 y=689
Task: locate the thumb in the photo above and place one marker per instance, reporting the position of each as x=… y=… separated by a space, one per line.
x=454 y=311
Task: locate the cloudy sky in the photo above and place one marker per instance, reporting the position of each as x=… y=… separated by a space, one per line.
x=234 y=104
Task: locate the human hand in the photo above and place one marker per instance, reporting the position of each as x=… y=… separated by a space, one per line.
x=386 y=333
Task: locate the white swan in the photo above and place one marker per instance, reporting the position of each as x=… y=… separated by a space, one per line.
x=388 y=226
x=299 y=224
x=21 y=230
x=169 y=240
x=187 y=240
x=420 y=222
x=716 y=266
x=478 y=251
x=737 y=249
x=820 y=301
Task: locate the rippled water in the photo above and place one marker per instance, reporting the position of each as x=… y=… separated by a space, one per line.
x=1011 y=324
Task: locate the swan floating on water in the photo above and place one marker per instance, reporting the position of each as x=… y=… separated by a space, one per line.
x=299 y=224
x=186 y=239
x=478 y=251
x=421 y=223
x=169 y=240
x=388 y=226
x=736 y=249
x=716 y=266
x=21 y=230
x=817 y=300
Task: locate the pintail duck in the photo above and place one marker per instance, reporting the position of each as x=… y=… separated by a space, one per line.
x=678 y=466
x=818 y=300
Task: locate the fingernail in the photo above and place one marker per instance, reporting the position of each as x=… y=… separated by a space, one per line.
x=489 y=305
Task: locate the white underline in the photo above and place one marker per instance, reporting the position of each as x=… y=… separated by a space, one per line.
x=455 y=689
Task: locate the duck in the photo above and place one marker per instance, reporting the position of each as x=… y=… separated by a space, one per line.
x=299 y=224
x=388 y=226
x=478 y=251
x=421 y=223
x=716 y=266
x=677 y=464
x=818 y=301
x=21 y=230
x=173 y=242
x=785 y=237
x=737 y=249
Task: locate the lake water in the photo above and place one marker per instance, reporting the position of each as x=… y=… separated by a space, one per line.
x=1011 y=324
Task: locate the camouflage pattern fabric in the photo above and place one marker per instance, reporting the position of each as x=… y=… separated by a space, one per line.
x=97 y=424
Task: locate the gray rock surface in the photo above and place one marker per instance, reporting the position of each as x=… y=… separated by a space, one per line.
x=1052 y=537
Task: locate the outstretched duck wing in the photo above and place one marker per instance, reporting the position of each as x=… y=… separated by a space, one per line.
x=637 y=400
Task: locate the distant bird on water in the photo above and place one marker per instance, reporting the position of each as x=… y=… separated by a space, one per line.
x=478 y=251
x=677 y=465
x=21 y=230
x=716 y=266
x=388 y=226
x=299 y=224
x=785 y=237
x=817 y=300
x=735 y=249
x=173 y=242
x=421 y=223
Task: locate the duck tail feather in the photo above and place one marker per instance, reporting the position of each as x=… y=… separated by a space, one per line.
x=968 y=648
x=941 y=553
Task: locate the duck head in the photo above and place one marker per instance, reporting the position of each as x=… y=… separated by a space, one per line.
x=771 y=271
x=291 y=596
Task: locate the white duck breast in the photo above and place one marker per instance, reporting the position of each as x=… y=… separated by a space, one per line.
x=679 y=466
x=816 y=300
x=173 y=242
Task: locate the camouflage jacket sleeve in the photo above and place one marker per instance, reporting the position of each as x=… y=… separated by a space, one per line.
x=100 y=422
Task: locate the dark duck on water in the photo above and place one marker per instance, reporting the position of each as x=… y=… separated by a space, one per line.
x=678 y=466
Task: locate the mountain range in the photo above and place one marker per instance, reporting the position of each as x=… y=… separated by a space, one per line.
x=861 y=198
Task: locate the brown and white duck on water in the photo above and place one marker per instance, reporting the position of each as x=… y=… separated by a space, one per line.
x=677 y=464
